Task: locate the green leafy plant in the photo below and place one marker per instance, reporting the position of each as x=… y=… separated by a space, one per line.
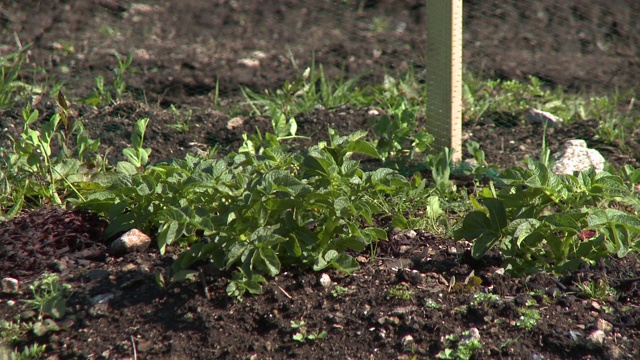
x=12 y=331
x=431 y=304
x=483 y=298
x=459 y=347
x=42 y=166
x=183 y=119
x=302 y=334
x=137 y=155
x=440 y=165
x=600 y=290
x=528 y=318
x=401 y=292
x=310 y=90
x=399 y=133
x=339 y=291
x=34 y=351
x=105 y=94
x=263 y=208
x=11 y=87
x=49 y=296
x=540 y=220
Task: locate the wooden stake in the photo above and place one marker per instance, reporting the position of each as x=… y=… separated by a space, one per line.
x=444 y=74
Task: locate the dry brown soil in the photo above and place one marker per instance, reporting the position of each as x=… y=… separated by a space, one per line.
x=183 y=51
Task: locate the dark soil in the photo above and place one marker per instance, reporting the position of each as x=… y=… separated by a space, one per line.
x=183 y=51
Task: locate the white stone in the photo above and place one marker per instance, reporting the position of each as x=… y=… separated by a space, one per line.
x=234 y=123
x=248 y=62
x=10 y=285
x=604 y=325
x=132 y=240
x=534 y=116
x=325 y=281
x=407 y=341
x=596 y=337
x=575 y=156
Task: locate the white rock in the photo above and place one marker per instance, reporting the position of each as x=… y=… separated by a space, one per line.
x=248 y=62
x=325 y=281
x=575 y=156
x=234 y=123
x=10 y=285
x=132 y=240
x=407 y=341
x=534 y=116
x=604 y=325
x=596 y=337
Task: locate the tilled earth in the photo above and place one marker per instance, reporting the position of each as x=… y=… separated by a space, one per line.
x=182 y=51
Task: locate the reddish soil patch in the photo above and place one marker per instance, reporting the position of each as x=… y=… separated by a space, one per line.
x=183 y=51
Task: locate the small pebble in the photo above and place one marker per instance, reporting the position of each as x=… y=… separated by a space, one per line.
x=407 y=341
x=10 y=285
x=325 y=281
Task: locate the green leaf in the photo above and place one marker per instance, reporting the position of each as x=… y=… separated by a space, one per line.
x=483 y=244
x=132 y=156
x=345 y=263
x=565 y=221
x=497 y=214
x=284 y=181
x=474 y=225
x=183 y=275
x=235 y=252
x=66 y=168
x=610 y=185
x=340 y=204
x=382 y=174
x=127 y=168
x=523 y=228
x=168 y=233
x=56 y=307
x=271 y=261
x=363 y=147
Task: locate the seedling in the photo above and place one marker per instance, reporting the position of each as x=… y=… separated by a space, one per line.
x=34 y=351
x=42 y=167
x=339 y=291
x=302 y=335
x=105 y=94
x=528 y=318
x=599 y=291
x=12 y=331
x=401 y=292
x=183 y=123
x=459 y=347
x=431 y=304
x=49 y=296
x=482 y=298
